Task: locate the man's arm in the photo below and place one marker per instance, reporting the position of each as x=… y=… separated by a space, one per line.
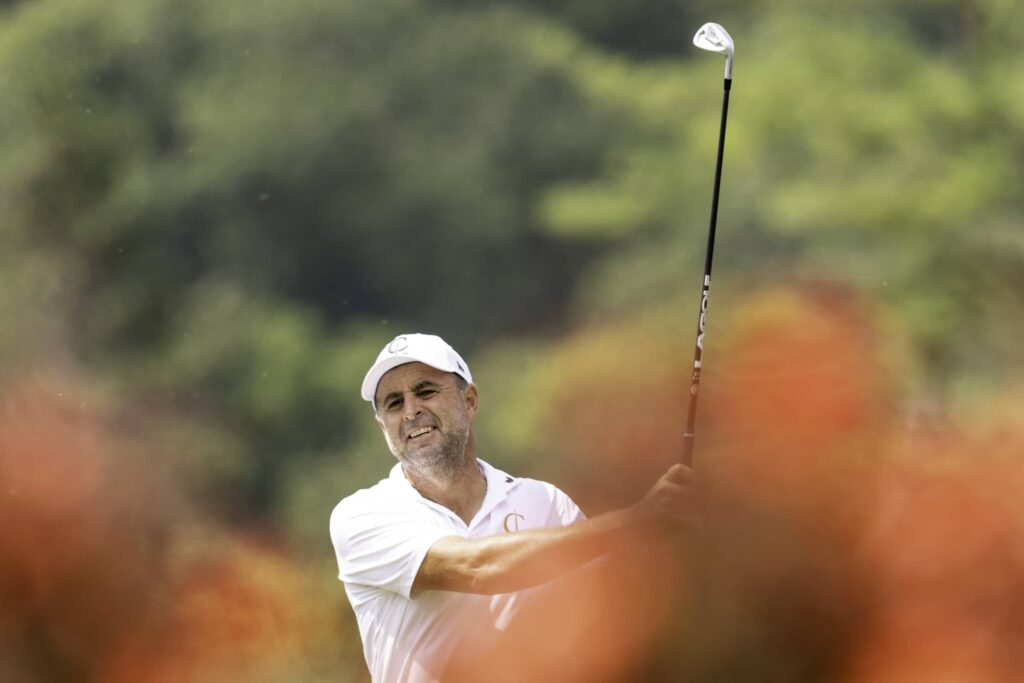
x=512 y=562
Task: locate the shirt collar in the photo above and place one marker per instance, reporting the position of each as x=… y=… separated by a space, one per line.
x=498 y=485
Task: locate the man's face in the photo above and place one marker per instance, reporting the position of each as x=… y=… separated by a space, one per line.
x=425 y=418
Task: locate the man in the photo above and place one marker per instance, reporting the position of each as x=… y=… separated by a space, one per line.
x=438 y=556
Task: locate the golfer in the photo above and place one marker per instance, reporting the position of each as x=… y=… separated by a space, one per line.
x=438 y=556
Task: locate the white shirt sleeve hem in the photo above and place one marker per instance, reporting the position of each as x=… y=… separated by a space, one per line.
x=416 y=561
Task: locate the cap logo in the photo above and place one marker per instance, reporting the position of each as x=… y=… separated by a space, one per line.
x=398 y=344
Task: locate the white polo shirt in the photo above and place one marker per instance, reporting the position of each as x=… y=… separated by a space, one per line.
x=381 y=535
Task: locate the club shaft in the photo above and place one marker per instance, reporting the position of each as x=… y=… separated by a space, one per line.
x=698 y=351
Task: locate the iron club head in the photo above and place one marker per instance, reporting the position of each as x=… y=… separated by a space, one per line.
x=714 y=38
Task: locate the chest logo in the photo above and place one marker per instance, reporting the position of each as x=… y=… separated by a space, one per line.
x=511 y=522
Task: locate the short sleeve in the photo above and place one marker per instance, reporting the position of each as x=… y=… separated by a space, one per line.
x=565 y=510
x=381 y=548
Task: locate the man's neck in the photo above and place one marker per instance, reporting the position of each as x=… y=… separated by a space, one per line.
x=461 y=490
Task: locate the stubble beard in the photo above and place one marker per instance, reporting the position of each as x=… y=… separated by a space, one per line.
x=442 y=460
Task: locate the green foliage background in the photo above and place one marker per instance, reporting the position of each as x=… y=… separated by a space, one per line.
x=217 y=212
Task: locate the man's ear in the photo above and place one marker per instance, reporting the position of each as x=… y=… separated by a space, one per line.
x=472 y=398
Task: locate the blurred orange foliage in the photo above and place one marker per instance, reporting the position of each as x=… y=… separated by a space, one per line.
x=108 y=574
x=79 y=534
x=841 y=540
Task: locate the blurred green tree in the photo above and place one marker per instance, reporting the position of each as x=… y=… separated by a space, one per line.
x=231 y=191
x=857 y=153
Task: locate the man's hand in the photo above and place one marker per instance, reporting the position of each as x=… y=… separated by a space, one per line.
x=670 y=503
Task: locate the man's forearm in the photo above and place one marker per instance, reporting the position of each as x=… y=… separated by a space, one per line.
x=512 y=562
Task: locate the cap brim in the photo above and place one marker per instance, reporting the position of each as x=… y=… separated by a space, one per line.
x=380 y=368
x=372 y=378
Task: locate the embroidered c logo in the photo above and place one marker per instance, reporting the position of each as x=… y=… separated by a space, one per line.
x=398 y=344
x=511 y=522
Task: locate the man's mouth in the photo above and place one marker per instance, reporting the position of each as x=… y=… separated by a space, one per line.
x=416 y=433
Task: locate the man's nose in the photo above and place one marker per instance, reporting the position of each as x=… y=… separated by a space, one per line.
x=411 y=407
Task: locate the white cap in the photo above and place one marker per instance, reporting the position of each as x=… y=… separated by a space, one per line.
x=410 y=348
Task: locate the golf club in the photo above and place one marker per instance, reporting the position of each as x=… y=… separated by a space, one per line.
x=714 y=38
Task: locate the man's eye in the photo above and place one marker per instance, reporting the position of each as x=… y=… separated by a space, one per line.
x=393 y=405
x=426 y=393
